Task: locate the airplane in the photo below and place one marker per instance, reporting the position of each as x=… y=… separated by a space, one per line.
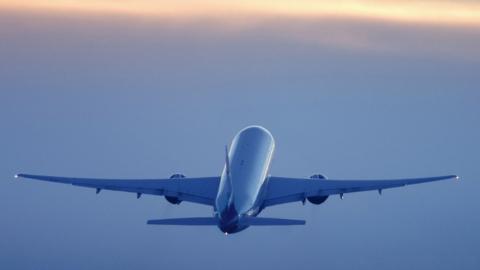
x=244 y=188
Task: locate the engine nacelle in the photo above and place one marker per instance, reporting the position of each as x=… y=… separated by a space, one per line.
x=317 y=199
x=173 y=199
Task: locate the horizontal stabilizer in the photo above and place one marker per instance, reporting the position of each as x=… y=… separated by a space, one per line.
x=205 y=221
x=193 y=221
x=259 y=221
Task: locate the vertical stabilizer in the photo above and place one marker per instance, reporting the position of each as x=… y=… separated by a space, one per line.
x=229 y=176
x=227 y=161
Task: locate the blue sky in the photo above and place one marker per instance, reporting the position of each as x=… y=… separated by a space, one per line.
x=114 y=96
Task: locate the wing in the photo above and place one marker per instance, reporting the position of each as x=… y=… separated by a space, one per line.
x=284 y=190
x=201 y=190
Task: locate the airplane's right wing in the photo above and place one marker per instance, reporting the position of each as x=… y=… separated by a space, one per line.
x=284 y=190
x=202 y=190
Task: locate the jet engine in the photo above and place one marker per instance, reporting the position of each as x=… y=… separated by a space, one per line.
x=317 y=199
x=173 y=199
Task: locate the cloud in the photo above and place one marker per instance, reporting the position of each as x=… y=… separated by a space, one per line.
x=433 y=12
x=357 y=34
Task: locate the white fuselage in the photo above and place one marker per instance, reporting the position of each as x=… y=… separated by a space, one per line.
x=240 y=193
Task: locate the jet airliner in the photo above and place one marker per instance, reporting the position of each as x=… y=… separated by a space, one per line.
x=244 y=188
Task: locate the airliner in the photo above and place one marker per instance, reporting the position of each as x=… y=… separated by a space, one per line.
x=244 y=188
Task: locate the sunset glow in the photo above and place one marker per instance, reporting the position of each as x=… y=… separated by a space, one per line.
x=432 y=12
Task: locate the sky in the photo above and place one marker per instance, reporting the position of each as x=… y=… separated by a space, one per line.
x=146 y=89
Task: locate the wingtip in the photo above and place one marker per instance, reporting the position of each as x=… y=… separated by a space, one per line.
x=20 y=175
x=457 y=177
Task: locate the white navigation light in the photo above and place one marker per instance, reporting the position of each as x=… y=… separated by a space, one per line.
x=16 y=176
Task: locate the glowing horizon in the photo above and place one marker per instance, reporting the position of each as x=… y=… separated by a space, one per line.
x=430 y=12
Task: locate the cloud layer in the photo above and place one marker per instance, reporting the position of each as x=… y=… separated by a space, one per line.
x=345 y=33
x=434 y=11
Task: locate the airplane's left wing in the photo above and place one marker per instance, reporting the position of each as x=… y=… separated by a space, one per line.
x=284 y=190
x=202 y=190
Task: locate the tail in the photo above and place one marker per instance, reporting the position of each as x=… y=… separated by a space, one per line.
x=193 y=221
x=205 y=221
x=258 y=221
x=227 y=161
x=229 y=178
